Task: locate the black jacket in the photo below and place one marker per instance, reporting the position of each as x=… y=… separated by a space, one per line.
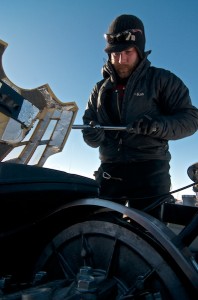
x=152 y=91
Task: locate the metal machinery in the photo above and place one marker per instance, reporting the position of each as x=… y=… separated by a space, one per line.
x=58 y=239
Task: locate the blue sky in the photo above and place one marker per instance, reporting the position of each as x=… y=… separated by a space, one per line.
x=60 y=42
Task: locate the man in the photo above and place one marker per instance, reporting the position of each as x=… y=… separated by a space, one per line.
x=154 y=105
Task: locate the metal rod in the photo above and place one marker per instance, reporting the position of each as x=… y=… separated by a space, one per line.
x=99 y=127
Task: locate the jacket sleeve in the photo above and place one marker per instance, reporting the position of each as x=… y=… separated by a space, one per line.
x=179 y=118
x=92 y=136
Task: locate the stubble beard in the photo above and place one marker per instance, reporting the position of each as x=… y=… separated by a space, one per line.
x=125 y=71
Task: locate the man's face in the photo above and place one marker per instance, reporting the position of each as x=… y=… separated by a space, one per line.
x=125 y=61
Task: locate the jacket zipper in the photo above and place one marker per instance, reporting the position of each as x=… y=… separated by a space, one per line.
x=120 y=144
x=118 y=104
x=119 y=113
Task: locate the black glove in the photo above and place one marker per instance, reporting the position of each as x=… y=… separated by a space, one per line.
x=145 y=125
x=93 y=134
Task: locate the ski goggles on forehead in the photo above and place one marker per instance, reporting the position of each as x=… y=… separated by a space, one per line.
x=124 y=36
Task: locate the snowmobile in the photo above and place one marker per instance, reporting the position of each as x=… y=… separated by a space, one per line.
x=59 y=239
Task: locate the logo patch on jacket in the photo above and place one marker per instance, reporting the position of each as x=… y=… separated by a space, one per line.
x=139 y=94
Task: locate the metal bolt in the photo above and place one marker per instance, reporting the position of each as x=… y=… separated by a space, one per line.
x=86 y=282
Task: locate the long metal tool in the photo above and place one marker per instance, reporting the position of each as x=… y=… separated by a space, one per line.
x=99 y=127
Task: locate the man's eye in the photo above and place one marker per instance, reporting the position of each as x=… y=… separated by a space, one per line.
x=116 y=53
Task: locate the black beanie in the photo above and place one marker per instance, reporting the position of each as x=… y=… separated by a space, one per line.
x=123 y=23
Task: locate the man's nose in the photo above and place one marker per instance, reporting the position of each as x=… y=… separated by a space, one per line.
x=122 y=58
